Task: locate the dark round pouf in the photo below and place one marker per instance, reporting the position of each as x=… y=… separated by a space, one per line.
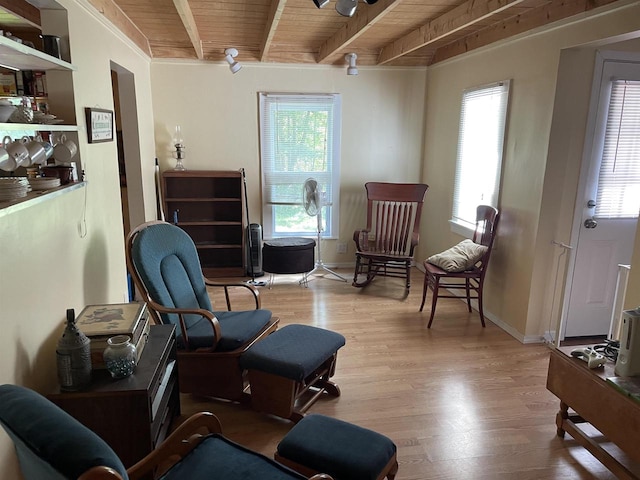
x=288 y=255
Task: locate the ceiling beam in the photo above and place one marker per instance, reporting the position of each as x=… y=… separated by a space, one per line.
x=365 y=18
x=122 y=22
x=184 y=10
x=465 y=15
x=275 y=13
x=24 y=10
x=537 y=17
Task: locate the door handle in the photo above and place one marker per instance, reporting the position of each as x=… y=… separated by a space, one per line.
x=590 y=223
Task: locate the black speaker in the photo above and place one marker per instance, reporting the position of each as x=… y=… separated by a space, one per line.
x=254 y=250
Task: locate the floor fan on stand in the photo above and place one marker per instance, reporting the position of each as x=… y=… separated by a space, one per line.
x=312 y=202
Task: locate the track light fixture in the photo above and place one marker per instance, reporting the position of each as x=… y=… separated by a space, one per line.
x=346 y=8
x=230 y=54
x=351 y=58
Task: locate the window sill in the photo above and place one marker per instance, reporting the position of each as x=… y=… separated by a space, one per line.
x=461 y=229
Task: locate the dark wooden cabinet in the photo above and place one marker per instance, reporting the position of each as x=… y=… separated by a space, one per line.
x=209 y=206
x=133 y=415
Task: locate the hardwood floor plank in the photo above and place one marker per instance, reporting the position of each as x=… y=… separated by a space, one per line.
x=460 y=401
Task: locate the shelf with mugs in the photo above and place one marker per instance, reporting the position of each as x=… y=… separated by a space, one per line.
x=38 y=127
x=21 y=57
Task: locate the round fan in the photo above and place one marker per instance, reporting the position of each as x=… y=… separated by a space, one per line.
x=311 y=197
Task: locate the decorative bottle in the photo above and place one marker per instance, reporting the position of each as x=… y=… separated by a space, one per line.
x=73 y=355
x=120 y=356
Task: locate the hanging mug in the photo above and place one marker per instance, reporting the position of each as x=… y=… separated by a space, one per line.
x=37 y=154
x=64 y=150
x=46 y=145
x=19 y=152
x=7 y=162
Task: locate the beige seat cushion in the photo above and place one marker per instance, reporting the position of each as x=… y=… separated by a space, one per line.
x=460 y=257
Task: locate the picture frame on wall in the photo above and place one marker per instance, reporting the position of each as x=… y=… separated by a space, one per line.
x=99 y=125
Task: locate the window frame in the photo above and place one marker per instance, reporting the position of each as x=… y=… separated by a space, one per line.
x=463 y=226
x=331 y=211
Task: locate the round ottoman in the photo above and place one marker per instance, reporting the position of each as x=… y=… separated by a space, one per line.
x=288 y=255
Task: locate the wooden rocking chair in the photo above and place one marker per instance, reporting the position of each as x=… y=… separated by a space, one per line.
x=385 y=247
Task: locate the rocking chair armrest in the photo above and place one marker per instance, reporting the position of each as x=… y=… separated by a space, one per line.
x=253 y=290
x=181 y=312
x=177 y=445
x=356 y=237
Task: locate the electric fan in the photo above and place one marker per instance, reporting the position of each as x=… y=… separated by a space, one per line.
x=312 y=201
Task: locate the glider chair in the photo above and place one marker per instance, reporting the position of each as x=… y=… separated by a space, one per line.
x=165 y=267
x=385 y=247
x=52 y=445
x=464 y=266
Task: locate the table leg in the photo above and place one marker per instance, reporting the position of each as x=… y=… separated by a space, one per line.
x=562 y=415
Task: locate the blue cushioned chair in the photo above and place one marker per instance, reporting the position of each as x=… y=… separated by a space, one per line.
x=163 y=262
x=52 y=445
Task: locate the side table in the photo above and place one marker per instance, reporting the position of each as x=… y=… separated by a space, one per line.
x=132 y=414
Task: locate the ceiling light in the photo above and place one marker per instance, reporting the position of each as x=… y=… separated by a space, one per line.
x=346 y=8
x=322 y=3
x=230 y=54
x=351 y=58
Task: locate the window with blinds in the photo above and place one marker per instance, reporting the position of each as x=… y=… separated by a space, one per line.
x=299 y=139
x=480 y=145
x=618 y=193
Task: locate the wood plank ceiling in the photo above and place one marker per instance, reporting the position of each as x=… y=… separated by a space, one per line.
x=387 y=32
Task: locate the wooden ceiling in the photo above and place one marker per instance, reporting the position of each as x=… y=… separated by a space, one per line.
x=388 y=32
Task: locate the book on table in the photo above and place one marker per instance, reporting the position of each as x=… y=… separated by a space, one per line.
x=101 y=322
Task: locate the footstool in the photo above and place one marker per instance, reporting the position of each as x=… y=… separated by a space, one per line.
x=290 y=369
x=320 y=444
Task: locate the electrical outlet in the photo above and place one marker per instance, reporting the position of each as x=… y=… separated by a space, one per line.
x=341 y=247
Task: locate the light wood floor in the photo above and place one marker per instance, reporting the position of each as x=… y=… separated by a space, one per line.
x=460 y=401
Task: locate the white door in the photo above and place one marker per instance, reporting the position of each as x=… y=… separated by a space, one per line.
x=610 y=204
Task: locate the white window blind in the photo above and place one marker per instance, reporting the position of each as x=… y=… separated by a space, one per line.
x=480 y=145
x=300 y=139
x=618 y=193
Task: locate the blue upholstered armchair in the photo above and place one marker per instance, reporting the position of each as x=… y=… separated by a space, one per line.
x=52 y=445
x=164 y=264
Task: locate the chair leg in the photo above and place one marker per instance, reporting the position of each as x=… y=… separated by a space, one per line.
x=480 y=305
x=468 y=295
x=434 y=286
x=424 y=289
x=408 y=276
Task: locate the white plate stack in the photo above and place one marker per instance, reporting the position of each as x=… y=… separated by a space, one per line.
x=12 y=188
x=44 y=183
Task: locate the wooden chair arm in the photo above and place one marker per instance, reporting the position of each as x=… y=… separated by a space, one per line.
x=100 y=473
x=181 y=312
x=253 y=290
x=356 y=238
x=176 y=446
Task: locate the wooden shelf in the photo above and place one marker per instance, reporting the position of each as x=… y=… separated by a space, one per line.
x=17 y=55
x=34 y=198
x=209 y=206
x=38 y=127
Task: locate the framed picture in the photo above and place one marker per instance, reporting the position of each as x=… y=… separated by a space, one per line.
x=99 y=125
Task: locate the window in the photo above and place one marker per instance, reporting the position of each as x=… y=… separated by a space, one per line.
x=480 y=144
x=618 y=193
x=300 y=139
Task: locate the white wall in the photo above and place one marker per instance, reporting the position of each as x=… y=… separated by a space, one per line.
x=69 y=252
x=514 y=296
x=382 y=125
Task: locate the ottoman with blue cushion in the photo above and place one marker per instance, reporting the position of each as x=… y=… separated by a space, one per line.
x=290 y=369
x=343 y=450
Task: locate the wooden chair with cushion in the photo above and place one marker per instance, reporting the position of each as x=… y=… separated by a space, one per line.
x=52 y=445
x=464 y=266
x=385 y=247
x=165 y=267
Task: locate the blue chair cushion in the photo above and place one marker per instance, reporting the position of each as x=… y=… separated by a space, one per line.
x=237 y=329
x=293 y=352
x=340 y=449
x=50 y=443
x=218 y=457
